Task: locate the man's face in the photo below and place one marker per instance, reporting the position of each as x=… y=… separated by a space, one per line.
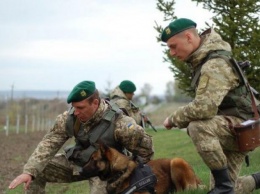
x=180 y=46
x=129 y=96
x=85 y=110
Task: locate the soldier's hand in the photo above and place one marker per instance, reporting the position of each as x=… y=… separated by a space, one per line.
x=23 y=178
x=167 y=123
x=145 y=118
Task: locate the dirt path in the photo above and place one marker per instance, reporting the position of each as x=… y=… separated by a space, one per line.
x=15 y=150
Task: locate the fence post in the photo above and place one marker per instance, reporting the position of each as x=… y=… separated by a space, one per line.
x=38 y=124
x=17 y=124
x=7 y=125
x=26 y=123
x=33 y=122
x=42 y=124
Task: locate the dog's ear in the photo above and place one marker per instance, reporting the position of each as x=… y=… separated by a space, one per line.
x=103 y=147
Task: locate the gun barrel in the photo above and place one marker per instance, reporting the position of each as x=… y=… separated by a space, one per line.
x=149 y=122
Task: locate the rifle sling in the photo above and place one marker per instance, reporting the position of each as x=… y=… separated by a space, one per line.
x=226 y=55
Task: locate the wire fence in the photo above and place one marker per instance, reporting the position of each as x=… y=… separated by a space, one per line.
x=26 y=124
x=28 y=115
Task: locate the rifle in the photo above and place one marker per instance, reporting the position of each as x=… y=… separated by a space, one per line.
x=147 y=121
x=244 y=65
x=143 y=117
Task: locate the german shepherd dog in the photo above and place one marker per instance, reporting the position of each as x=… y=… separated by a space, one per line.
x=173 y=175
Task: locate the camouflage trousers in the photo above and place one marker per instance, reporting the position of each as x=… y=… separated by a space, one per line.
x=217 y=146
x=60 y=170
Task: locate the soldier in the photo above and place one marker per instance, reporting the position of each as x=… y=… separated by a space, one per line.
x=87 y=121
x=122 y=95
x=205 y=118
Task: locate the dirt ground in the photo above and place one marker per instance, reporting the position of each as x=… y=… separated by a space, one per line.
x=15 y=150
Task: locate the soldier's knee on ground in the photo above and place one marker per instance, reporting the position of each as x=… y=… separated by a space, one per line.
x=245 y=185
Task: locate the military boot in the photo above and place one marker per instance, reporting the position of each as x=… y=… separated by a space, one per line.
x=223 y=184
x=256 y=176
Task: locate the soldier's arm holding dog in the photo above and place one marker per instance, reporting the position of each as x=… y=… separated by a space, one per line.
x=46 y=149
x=134 y=138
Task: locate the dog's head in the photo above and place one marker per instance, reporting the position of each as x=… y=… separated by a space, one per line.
x=97 y=164
x=105 y=162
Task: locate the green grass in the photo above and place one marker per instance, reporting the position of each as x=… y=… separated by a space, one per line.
x=167 y=144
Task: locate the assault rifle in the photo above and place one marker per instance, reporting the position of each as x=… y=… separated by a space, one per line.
x=144 y=118
x=243 y=65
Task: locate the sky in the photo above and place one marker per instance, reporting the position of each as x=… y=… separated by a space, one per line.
x=55 y=44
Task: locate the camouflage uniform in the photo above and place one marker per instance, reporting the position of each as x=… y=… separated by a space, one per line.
x=117 y=96
x=45 y=166
x=208 y=130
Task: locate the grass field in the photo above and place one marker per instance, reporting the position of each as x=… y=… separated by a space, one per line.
x=168 y=144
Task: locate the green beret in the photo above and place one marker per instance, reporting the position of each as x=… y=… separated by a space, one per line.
x=176 y=27
x=127 y=86
x=81 y=91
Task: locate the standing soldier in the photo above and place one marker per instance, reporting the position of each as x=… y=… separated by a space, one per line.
x=220 y=99
x=87 y=121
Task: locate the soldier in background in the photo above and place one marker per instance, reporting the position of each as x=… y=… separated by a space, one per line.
x=84 y=121
x=206 y=118
x=122 y=95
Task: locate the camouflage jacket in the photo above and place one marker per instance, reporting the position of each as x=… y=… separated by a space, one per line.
x=117 y=96
x=127 y=133
x=216 y=80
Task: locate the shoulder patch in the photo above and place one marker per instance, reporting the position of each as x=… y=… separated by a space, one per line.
x=130 y=126
x=203 y=82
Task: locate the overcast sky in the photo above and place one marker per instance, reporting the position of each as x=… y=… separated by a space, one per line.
x=55 y=44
